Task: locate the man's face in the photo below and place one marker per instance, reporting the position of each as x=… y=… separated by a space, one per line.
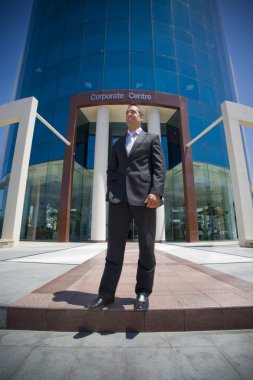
x=133 y=118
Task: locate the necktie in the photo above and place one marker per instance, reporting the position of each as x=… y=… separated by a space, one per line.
x=130 y=142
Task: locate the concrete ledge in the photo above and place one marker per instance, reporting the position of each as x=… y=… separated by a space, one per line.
x=4 y=243
x=129 y=321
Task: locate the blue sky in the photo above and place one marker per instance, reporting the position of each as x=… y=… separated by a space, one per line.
x=238 y=26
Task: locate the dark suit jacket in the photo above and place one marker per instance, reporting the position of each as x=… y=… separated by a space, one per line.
x=138 y=175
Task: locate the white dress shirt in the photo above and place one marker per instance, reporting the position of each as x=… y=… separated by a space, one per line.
x=130 y=139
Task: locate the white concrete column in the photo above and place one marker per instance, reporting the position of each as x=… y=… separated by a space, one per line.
x=234 y=115
x=155 y=127
x=22 y=111
x=98 y=222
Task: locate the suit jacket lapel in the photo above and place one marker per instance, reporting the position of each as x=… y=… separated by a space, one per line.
x=137 y=142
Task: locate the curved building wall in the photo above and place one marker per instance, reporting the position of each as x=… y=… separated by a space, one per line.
x=171 y=46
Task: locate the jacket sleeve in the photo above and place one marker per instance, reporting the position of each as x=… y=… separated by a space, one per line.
x=112 y=165
x=157 y=168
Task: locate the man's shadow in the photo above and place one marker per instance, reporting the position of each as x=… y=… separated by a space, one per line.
x=84 y=299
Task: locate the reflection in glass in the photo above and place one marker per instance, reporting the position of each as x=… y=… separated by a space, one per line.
x=215 y=207
x=81 y=201
x=247 y=138
x=175 y=224
x=42 y=201
x=8 y=135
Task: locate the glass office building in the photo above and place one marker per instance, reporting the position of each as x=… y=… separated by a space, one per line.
x=107 y=53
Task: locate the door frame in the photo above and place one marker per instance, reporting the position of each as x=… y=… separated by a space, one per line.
x=116 y=97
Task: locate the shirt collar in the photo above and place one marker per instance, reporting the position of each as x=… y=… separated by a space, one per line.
x=138 y=131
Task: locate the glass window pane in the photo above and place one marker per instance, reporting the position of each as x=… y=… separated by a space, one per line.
x=81 y=200
x=116 y=71
x=140 y=36
x=202 y=60
x=117 y=9
x=50 y=84
x=162 y=43
x=7 y=145
x=140 y=9
x=91 y=76
x=39 y=58
x=95 y=10
x=94 y=37
x=75 y=15
x=41 y=132
x=58 y=19
x=164 y=63
x=183 y=35
x=42 y=199
x=215 y=155
x=181 y=15
x=194 y=108
x=60 y=118
x=185 y=69
x=117 y=36
x=54 y=51
x=69 y=77
x=199 y=152
x=247 y=138
x=189 y=87
x=161 y=13
x=73 y=43
x=207 y=94
x=185 y=52
x=166 y=81
x=196 y=126
x=57 y=149
x=91 y=151
x=198 y=30
x=141 y=71
x=40 y=154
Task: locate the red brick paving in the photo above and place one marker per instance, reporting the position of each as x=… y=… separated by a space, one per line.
x=186 y=296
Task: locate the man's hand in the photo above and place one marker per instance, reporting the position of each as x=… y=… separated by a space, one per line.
x=152 y=201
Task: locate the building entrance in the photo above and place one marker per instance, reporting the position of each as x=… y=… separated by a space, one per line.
x=81 y=203
x=165 y=115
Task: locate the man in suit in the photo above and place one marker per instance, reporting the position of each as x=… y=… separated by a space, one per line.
x=135 y=182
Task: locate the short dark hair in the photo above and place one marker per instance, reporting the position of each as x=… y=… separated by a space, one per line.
x=141 y=113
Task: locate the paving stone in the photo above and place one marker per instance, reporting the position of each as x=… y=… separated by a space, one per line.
x=46 y=363
x=204 y=363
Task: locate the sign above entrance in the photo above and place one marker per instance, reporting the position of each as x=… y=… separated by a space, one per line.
x=120 y=95
x=117 y=97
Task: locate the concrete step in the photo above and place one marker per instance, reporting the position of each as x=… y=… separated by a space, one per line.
x=186 y=297
x=6 y=243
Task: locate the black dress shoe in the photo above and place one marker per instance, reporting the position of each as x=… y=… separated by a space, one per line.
x=141 y=302
x=100 y=302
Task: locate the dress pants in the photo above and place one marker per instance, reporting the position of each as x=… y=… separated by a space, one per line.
x=120 y=217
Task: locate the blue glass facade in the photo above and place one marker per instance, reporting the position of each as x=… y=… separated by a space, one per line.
x=171 y=46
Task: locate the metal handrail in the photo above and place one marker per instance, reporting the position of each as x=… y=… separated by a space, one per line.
x=204 y=132
x=52 y=129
